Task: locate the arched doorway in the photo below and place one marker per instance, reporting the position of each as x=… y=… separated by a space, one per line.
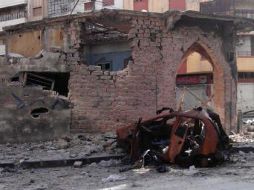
x=194 y=81
x=217 y=83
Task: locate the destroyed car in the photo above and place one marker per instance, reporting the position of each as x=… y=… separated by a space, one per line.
x=194 y=137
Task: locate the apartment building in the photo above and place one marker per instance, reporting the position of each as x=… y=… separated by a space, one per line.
x=199 y=68
x=11 y=13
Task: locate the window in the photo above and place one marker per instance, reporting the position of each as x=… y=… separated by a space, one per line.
x=12 y=13
x=37 y=7
x=37 y=11
x=89 y=6
x=108 y=2
x=57 y=82
x=105 y=66
x=59 y=7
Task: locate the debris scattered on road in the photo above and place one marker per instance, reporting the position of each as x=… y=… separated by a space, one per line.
x=77 y=164
x=113 y=178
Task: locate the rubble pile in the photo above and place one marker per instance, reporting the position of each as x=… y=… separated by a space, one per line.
x=242 y=138
x=76 y=146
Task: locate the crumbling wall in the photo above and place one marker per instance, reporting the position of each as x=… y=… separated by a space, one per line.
x=106 y=100
x=30 y=113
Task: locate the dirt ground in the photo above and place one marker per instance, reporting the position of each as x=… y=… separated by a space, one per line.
x=238 y=173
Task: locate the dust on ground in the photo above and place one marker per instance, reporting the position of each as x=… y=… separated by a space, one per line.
x=237 y=173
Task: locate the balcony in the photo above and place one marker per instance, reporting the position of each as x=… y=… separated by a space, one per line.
x=12 y=3
x=11 y=22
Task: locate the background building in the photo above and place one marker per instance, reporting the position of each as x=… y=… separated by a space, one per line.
x=11 y=13
x=196 y=65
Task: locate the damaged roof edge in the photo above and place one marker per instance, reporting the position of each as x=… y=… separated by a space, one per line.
x=87 y=15
x=240 y=22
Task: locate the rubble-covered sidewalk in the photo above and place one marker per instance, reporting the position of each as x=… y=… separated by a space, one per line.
x=74 y=147
x=235 y=174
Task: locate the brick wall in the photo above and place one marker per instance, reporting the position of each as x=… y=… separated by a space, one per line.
x=106 y=100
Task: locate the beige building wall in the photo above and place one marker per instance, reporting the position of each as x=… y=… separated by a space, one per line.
x=158 y=6
x=128 y=5
x=195 y=64
x=192 y=5
x=27 y=44
x=245 y=64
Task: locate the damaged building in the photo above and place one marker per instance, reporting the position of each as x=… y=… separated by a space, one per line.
x=97 y=71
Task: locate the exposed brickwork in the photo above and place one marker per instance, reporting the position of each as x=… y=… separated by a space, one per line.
x=106 y=100
x=160 y=43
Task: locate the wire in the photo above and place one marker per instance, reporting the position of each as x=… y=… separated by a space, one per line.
x=75 y=5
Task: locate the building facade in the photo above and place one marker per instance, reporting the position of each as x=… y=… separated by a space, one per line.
x=11 y=13
x=37 y=9
x=102 y=100
x=244 y=46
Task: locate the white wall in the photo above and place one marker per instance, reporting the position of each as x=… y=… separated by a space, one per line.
x=8 y=3
x=11 y=22
x=2 y=50
x=244 y=44
x=245 y=96
x=193 y=5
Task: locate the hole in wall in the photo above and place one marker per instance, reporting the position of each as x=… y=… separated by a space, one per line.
x=35 y=113
x=15 y=79
x=49 y=81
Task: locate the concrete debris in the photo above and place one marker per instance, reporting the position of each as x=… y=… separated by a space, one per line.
x=77 y=164
x=62 y=144
x=109 y=163
x=65 y=148
x=191 y=171
x=242 y=138
x=249 y=121
x=113 y=178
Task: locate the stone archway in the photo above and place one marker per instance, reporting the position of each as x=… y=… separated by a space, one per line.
x=177 y=47
x=218 y=76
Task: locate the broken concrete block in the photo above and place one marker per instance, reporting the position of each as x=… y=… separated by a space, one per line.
x=94 y=68
x=62 y=144
x=104 y=77
x=113 y=178
x=78 y=164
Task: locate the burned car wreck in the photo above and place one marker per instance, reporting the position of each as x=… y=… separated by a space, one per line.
x=186 y=138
